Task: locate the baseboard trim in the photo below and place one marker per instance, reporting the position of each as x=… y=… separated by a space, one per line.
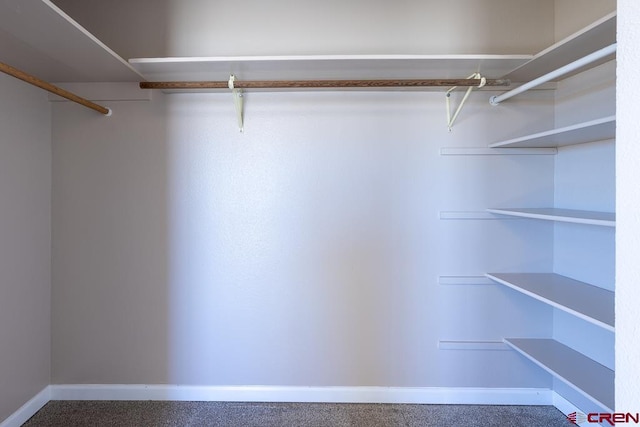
x=29 y=409
x=563 y=405
x=424 y=395
x=566 y=407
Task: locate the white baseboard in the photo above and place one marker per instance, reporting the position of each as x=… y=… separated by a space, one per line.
x=28 y=410
x=424 y=395
x=566 y=407
x=563 y=405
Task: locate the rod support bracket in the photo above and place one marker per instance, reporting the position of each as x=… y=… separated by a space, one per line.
x=451 y=119
x=238 y=102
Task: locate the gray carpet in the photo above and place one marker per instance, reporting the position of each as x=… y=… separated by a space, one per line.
x=153 y=413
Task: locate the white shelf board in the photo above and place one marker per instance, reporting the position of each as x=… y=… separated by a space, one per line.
x=598 y=35
x=588 y=377
x=40 y=39
x=315 y=67
x=468 y=215
x=588 y=302
x=463 y=280
x=473 y=345
x=483 y=151
x=580 y=133
x=607 y=219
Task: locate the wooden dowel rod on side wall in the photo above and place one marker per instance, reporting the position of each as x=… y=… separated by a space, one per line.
x=285 y=84
x=14 y=72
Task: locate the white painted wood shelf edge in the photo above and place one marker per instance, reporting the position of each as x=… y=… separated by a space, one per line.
x=590 y=131
x=483 y=151
x=606 y=219
x=585 y=301
x=590 y=378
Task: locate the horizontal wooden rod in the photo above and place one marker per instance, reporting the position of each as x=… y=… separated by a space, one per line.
x=14 y=72
x=286 y=84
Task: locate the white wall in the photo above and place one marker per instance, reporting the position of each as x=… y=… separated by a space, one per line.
x=573 y=15
x=305 y=251
x=150 y=28
x=627 y=207
x=25 y=243
x=110 y=258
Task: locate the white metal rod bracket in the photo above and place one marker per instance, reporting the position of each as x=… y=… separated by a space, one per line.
x=450 y=119
x=238 y=102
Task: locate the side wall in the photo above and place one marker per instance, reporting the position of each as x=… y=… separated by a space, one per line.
x=25 y=243
x=627 y=207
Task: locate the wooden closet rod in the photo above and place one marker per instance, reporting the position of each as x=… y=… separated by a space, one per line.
x=14 y=72
x=285 y=84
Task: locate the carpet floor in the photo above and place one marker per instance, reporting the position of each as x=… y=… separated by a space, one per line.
x=231 y=414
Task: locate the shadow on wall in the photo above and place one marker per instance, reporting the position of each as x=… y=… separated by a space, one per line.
x=290 y=244
x=294 y=254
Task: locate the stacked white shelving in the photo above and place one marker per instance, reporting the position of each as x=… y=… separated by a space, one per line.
x=585 y=301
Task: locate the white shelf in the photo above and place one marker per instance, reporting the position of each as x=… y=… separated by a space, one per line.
x=39 y=38
x=588 y=377
x=588 y=302
x=591 y=131
x=475 y=151
x=606 y=219
x=325 y=67
x=598 y=35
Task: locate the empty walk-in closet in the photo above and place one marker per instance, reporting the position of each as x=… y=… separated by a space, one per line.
x=290 y=202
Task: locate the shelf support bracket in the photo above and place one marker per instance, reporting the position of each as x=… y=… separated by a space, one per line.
x=452 y=119
x=238 y=101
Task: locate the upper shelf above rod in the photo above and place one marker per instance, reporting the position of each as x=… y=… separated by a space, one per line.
x=326 y=67
x=595 y=36
x=38 y=38
x=587 y=48
x=591 y=58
